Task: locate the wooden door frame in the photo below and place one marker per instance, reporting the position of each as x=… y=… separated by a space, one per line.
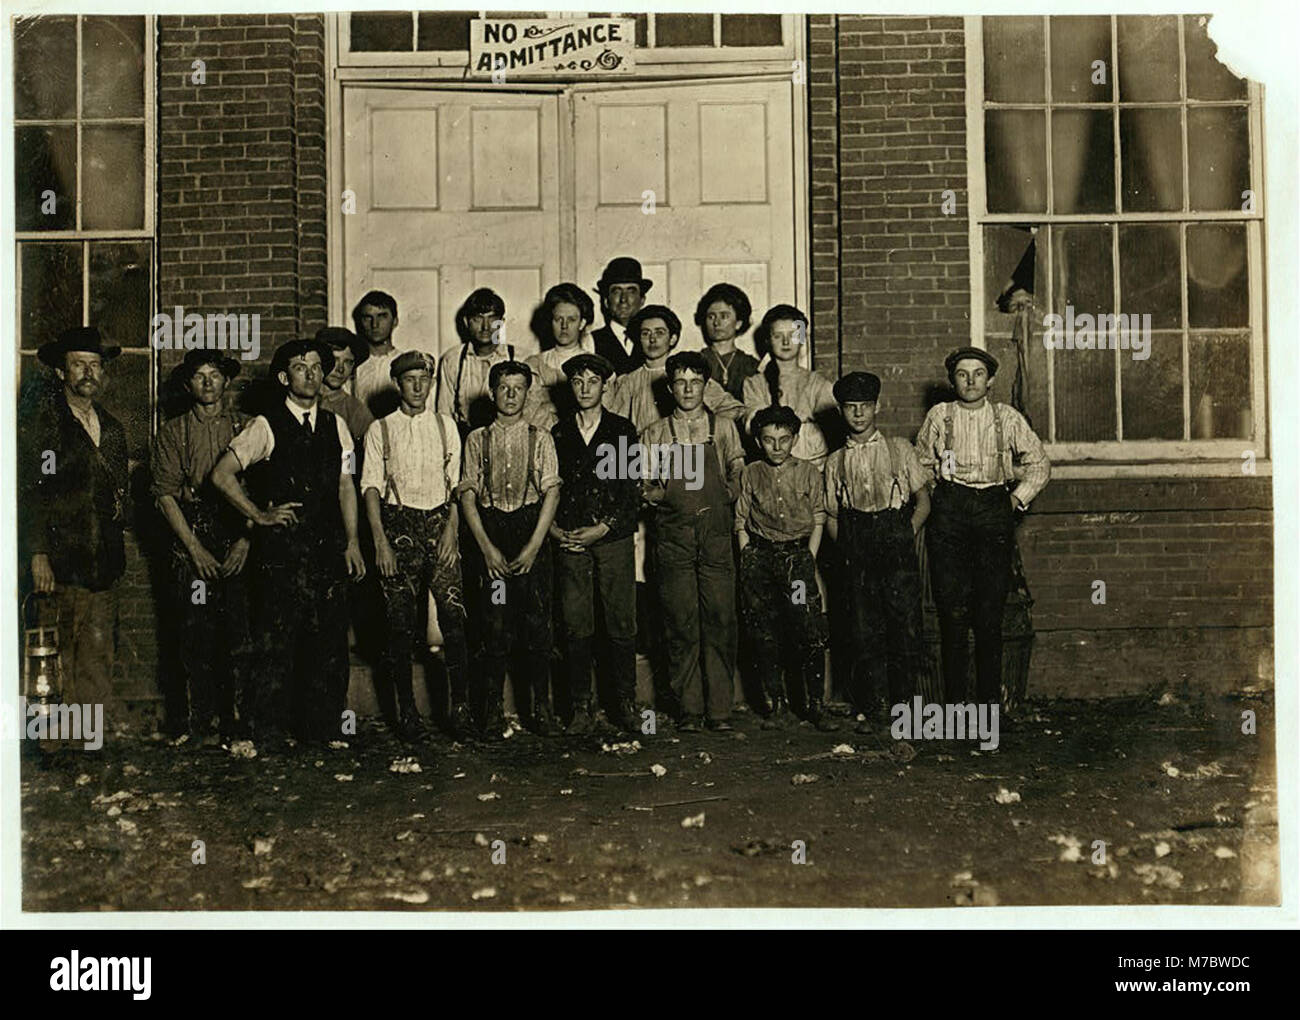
x=334 y=143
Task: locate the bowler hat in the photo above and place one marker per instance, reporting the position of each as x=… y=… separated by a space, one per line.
x=623 y=269
x=78 y=338
x=857 y=387
x=337 y=337
x=196 y=359
x=585 y=362
x=990 y=362
x=296 y=348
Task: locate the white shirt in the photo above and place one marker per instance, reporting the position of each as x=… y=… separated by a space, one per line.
x=89 y=421
x=257 y=441
x=587 y=433
x=372 y=376
x=417 y=461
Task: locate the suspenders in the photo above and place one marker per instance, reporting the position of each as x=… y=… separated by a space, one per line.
x=487 y=461
x=460 y=371
x=842 y=490
x=722 y=467
x=390 y=483
x=1003 y=473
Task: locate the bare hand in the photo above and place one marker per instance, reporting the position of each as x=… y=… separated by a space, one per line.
x=590 y=535
x=236 y=558
x=42 y=573
x=275 y=515
x=523 y=563
x=497 y=567
x=385 y=560
x=205 y=564
x=448 y=548
x=352 y=557
x=1015 y=503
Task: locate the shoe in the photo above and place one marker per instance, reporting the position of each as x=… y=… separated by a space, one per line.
x=626 y=717
x=581 y=724
x=462 y=722
x=690 y=724
x=865 y=726
x=408 y=725
x=544 y=724
x=719 y=725
x=778 y=715
x=819 y=719
x=494 y=720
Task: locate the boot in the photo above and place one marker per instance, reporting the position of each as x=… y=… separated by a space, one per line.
x=462 y=722
x=819 y=719
x=543 y=719
x=581 y=723
x=778 y=714
x=494 y=718
x=626 y=718
x=408 y=723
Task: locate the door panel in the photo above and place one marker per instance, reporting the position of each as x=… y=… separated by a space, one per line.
x=454 y=190
x=718 y=160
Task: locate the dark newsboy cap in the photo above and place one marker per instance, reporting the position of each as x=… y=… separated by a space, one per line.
x=78 y=338
x=990 y=362
x=585 y=362
x=856 y=387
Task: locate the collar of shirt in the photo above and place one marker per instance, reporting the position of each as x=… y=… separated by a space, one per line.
x=298 y=411
x=587 y=433
x=504 y=429
x=89 y=420
x=555 y=357
x=875 y=436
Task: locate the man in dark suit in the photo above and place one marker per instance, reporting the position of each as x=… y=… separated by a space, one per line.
x=622 y=289
x=72 y=470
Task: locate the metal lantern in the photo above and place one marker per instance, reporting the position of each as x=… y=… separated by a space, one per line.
x=42 y=664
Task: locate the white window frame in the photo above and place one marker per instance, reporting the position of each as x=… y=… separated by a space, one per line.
x=1128 y=458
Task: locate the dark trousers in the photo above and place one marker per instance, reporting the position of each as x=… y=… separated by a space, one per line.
x=216 y=646
x=607 y=570
x=969 y=540
x=303 y=664
x=697 y=596
x=883 y=583
x=413 y=536
x=782 y=610
x=515 y=612
x=88 y=633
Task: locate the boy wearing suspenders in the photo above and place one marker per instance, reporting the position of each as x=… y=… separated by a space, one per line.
x=508 y=494
x=876 y=501
x=408 y=479
x=968 y=444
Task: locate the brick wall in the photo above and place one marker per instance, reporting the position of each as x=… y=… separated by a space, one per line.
x=1188 y=564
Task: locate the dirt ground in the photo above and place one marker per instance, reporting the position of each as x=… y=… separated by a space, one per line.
x=1183 y=800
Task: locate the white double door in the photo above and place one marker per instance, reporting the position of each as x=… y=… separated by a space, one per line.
x=453 y=190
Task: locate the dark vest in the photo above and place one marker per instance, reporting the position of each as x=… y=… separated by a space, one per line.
x=303 y=468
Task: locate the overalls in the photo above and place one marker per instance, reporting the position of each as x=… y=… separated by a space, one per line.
x=696 y=574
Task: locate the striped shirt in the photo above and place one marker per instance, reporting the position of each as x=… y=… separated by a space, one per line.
x=462 y=371
x=510 y=485
x=861 y=475
x=974 y=461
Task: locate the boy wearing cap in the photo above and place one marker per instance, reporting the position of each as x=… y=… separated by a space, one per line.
x=72 y=516
x=350 y=352
x=968 y=445
x=509 y=490
x=690 y=533
x=622 y=288
x=209 y=547
x=299 y=462
x=594 y=526
x=876 y=501
x=780 y=514
x=464 y=387
x=408 y=482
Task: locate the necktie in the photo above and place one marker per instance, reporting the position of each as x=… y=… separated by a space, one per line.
x=306 y=422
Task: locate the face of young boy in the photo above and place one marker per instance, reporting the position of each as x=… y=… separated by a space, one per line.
x=720 y=322
x=414 y=387
x=482 y=327
x=376 y=323
x=510 y=394
x=787 y=337
x=859 y=415
x=970 y=378
x=344 y=362
x=656 y=341
x=588 y=388
x=207 y=385
x=688 y=390
x=776 y=442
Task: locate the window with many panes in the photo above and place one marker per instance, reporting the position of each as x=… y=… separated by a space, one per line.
x=442 y=37
x=1128 y=155
x=83 y=197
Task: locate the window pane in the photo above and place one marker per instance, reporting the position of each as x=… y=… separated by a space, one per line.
x=45 y=159
x=1084 y=379
x=45 y=68
x=1206 y=77
x=119 y=291
x=683 y=29
x=112 y=53
x=1016 y=154
x=1151 y=160
x=1148 y=59
x=1217 y=280
x=378 y=33
x=1152 y=388
x=751 y=30
x=1013 y=60
x=1083 y=161
x=642 y=29
x=126 y=395
x=1218 y=369
x=443 y=31
x=1218 y=157
x=51 y=290
x=1150 y=276
x=112 y=191
x=1077 y=43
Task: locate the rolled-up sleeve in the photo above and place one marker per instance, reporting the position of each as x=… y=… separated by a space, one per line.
x=372 y=464
x=166 y=470
x=255 y=443
x=471 y=479
x=1034 y=468
x=547 y=468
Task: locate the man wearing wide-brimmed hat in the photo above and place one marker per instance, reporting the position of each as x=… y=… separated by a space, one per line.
x=622 y=288
x=72 y=470
x=299 y=461
x=209 y=548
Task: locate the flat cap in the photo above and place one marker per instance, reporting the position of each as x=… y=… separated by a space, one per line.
x=857 y=386
x=409 y=360
x=585 y=362
x=990 y=362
